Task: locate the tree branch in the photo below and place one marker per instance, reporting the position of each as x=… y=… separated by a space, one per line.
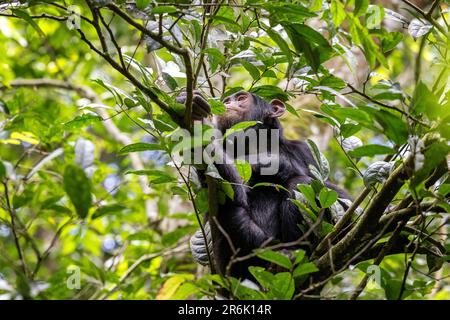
x=147 y=257
x=180 y=51
x=368 y=221
x=427 y=15
x=12 y=214
x=362 y=94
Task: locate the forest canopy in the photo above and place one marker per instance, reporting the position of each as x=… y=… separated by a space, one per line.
x=96 y=201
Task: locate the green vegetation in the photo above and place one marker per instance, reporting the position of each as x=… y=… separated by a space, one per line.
x=93 y=204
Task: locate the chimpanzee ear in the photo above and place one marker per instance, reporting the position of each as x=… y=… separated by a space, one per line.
x=278 y=108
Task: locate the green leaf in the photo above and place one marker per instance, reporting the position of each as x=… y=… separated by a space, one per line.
x=299 y=256
x=271 y=92
x=269 y=74
x=186 y=290
x=374 y=16
x=251 y=69
x=245 y=293
x=311 y=35
x=305 y=268
x=435 y=154
x=391 y=40
x=217 y=107
x=276 y=257
x=353 y=114
x=201 y=199
x=162 y=125
x=232 y=91
x=425 y=102
x=325 y=228
x=226 y=16
x=169 y=80
x=154 y=176
x=322 y=163
x=140 y=146
x=349 y=129
x=142 y=4
x=305 y=211
x=240 y=127
x=337 y=12
x=371 y=150
x=196 y=30
x=282 y=286
x=215 y=58
x=292 y=110
x=327 y=197
x=311 y=43
x=444 y=189
x=172 y=237
x=284 y=11
x=164 y=9
x=360 y=7
x=434 y=263
x=394 y=127
x=78 y=188
x=244 y=169
x=361 y=36
x=392 y=289
x=388 y=95
x=58 y=209
x=107 y=209
x=333 y=82
x=263 y=277
x=24 y=15
x=82 y=121
x=309 y=194
x=129 y=103
x=281 y=43
x=2 y=171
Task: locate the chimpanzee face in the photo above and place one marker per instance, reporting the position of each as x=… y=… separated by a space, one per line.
x=238 y=105
x=244 y=106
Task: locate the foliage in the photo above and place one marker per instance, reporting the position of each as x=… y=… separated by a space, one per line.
x=88 y=115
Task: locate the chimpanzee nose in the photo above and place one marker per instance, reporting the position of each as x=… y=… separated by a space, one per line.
x=231 y=104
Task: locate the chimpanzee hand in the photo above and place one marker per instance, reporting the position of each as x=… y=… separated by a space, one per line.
x=200 y=107
x=198 y=245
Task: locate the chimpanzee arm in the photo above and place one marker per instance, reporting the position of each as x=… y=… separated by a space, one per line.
x=239 y=216
x=227 y=170
x=249 y=231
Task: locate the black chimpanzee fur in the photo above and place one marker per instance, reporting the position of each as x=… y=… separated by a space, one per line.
x=264 y=214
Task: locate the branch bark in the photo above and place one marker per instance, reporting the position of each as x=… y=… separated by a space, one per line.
x=367 y=223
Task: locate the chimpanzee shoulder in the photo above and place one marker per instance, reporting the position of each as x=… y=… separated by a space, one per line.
x=299 y=154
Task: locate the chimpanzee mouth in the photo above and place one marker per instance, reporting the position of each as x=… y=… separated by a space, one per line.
x=235 y=109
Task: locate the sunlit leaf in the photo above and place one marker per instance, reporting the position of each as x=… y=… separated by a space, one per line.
x=78 y=188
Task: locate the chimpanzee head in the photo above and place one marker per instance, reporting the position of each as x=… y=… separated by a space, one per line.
x=246 y=106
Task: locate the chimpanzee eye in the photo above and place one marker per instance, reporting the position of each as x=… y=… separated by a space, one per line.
x=241 y=98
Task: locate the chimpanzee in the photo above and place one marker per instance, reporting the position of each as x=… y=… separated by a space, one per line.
x=256 y=216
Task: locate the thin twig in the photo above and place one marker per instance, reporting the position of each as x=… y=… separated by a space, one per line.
x=427 y=15
x=141 y=260
x=362 y=94
x=386 y=247
x=12 y=214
